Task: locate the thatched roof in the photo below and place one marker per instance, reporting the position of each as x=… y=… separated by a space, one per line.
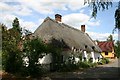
x=71 y=37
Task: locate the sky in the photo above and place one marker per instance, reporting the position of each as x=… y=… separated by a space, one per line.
x=31 y=14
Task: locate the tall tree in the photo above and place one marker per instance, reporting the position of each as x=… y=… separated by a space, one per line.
x=117 y=20
x=11 y=54
x=117 y=26
x=16 y=28
x=110 y=38
x=117 y=48
x=16 y=24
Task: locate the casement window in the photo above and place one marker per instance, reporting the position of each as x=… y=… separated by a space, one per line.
x=106 y=53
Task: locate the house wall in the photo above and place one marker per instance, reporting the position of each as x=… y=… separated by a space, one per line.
x=97 y=56
x=85 y=55
x=110 y=55
x=47 y=59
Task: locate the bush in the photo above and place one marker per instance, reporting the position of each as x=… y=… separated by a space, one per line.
x=11 y=54
x=107 y=60
x=86 y=64
x=11 y=61
x=33 y=49
x=93 y=64
x=104 y=61
x=69 y=67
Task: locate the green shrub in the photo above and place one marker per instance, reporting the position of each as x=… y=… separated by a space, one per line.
x=11 y=61
x=91 y=60
x=33 y=49
x=93 y=64
x=70 y=65
x=104 y=61
x=86 y=64
x=107 y=60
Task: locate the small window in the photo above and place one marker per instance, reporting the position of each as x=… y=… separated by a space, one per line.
x=85 y=46
x=106 y=53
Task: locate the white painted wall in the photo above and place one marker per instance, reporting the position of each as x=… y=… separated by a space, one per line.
x=26 y=61
x=47 y=59
x=97 y=55
x=77 y=59
x=94 y=55
x=84 y=54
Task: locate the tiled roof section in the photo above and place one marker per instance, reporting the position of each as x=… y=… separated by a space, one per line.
x=106 y=46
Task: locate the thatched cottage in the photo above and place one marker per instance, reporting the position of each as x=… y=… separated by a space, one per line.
x=72 y=40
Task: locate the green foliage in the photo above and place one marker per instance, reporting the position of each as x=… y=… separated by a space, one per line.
x=98 y=5
x=86 y=64
x=12 y=61
x=110 y=38
x=104 y=61
x=56 y=61
x=90 y=60
x=70 y=64
x=117 y=48
x=33 y=49
x=16 y=25
x=11 y=55
x=57 y=58
x=16 y=28
x=68 y=67
x=75 y=66
x=117 y=17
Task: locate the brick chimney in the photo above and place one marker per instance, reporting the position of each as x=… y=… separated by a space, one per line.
x=58 y=17
x=83 y=28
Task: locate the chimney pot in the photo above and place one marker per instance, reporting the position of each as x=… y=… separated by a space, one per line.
x=83 y=28
x=58 y=17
